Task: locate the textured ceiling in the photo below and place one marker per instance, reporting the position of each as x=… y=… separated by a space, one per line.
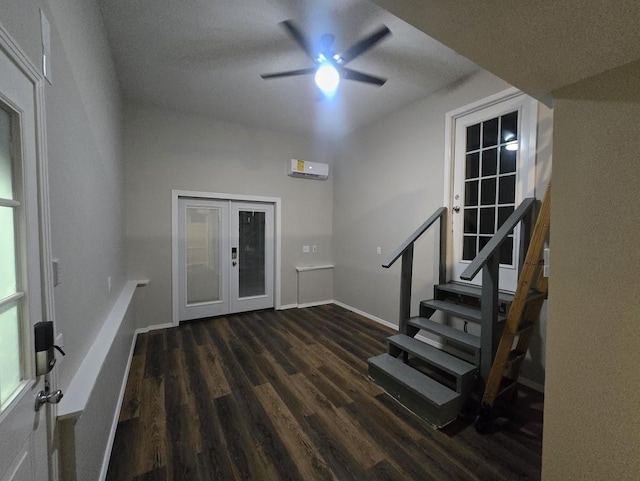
x=537 y=46
x=206 y=57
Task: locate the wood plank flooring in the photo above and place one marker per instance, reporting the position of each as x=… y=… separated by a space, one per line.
x=270 y=396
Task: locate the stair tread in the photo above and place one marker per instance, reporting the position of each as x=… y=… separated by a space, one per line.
x=476 y=291
x=458 y=310
x=473 y=291
x=429 y=389
x=449 y=332
x=433 y=355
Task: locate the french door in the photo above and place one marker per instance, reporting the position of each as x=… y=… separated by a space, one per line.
x=225 y=257
x=23 y=430
x=493 y=171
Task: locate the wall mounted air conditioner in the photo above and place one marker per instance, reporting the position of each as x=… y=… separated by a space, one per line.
x=308 y=170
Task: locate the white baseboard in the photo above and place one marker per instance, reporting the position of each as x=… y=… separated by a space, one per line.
x=316 y=303
x=142 y=330
x=367 y=315
x=287 y=306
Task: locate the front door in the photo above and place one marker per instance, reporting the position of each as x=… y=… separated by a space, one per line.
x=225 y=257
x=493 y=171
x=23 y=431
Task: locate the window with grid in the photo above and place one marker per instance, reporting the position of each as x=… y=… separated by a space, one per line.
x=491 y=156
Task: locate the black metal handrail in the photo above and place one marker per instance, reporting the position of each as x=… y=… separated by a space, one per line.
x=414 y=237
x=406 y=252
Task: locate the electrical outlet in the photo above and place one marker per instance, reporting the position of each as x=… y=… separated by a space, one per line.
x=305 y=249
x=109 y=283
x=314 y=249
x=379 y=250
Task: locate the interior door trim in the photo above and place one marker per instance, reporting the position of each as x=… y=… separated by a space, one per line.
x=176 y=194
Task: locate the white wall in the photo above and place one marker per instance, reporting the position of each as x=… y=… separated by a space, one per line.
x=167 y=150
x=389 y=177
x=87 y=200
x=591 y=415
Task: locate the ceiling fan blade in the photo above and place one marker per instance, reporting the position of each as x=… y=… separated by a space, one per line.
x=363 y=45
x=289 y=73
x=350 y=74
x=299 y=37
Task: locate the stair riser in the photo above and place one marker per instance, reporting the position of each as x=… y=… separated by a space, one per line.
x=437 y=417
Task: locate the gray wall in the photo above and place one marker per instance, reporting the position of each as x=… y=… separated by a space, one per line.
x=592 y=421
x=167 y=150
x=87 y=198
x=389 y=177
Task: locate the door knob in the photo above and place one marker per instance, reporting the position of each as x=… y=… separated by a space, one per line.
x=51 y=398
x=456 y=209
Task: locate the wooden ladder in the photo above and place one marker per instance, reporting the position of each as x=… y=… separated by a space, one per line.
x=523 y=315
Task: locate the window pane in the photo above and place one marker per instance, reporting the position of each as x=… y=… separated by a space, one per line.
x=6 y=186
x=469 y=248
x=8 y=282
x=506 y=251
x=471 y=193
x=487 y=220
x=490 y=133
x=252 y=253
x=509 y=127
x=507 y=160
x=473 y=137
x=203 y=254
x=503 y=214
x=10 y=375
x=483 y=242
x=489 y=162
x=472 y=166
x=471 y=221
x=507 y=193
x=488 y=193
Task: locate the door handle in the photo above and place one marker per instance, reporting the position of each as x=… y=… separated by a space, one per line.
x=51 y=398
x=234 y=263
x=456 y=209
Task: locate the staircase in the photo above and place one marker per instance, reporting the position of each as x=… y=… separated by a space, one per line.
x=435 y=379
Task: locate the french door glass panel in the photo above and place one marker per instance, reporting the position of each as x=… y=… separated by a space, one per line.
x=203 y=243
x=6 y=165
x=11 y=373
x=252 y=255
x=8 y=274
x=252 y=238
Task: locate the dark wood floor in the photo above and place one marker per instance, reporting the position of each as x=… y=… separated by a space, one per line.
x=271 y=396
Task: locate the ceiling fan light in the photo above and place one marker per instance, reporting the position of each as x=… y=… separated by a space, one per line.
x=327 y=78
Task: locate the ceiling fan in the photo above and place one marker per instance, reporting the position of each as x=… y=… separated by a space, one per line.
x=330 y=67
